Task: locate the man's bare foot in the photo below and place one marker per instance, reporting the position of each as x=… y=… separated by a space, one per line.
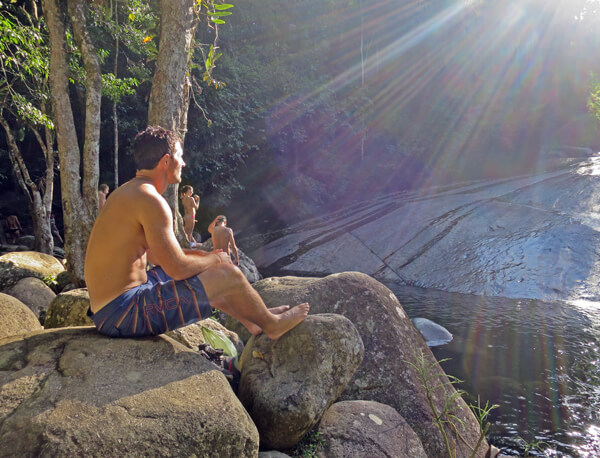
x=287 y=320
x=253 y=328
x=279 y=310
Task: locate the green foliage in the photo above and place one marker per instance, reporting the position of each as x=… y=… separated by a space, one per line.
x=310 y=445
x=593 y=102
x=532 y=445
x=50 y=281
x=115 y=88
x=432 y=378
x=24 y=66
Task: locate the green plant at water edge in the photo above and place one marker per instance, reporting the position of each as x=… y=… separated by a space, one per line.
x=432 y=378
x=310 y=445
x=532 y=445
x=50 y=280
x=482 y=413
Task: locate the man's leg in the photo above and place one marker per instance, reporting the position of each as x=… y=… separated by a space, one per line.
x=228 y=290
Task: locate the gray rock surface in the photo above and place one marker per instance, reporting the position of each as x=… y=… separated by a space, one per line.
x=391 y=342
x=525 y=237
x=433 y=333
x=73 y=392
x=69 y=309
x=288 y=384
x=33 y=292
x=27 y=240
x=367 y=429
x=16 y=318
x=247 y=265
x=17 y=265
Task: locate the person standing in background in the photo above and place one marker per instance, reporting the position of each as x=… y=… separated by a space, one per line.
x=102 y=194
x=13 y=228
x=190 y=202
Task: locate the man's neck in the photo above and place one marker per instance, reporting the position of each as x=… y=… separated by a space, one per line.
x=148 y=176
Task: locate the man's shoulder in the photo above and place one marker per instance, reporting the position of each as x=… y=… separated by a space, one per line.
x=133 y=195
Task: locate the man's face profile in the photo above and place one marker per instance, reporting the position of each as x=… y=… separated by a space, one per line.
x=176 y=163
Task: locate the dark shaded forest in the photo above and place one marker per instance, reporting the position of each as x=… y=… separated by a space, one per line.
x=325 y=102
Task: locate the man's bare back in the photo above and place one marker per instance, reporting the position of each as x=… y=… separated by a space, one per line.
x=222 y=237
x=115 y=264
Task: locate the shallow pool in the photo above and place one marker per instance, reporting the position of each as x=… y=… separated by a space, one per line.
x=540 y=361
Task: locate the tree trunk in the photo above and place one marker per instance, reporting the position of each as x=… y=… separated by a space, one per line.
x=114 y=107
x=39 y=214
x=170 y=96
x=79 y=196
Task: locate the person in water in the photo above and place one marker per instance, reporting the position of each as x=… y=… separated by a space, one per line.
x=222 y=237
x=136 y=227
x=190 y=202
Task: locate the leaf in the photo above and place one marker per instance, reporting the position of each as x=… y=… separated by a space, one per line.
x=224 y=6
x=218 y=340
x=147 y=39
x=223 y=13
x=218 y=21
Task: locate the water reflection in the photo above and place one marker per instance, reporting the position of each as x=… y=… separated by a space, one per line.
x=539 y=360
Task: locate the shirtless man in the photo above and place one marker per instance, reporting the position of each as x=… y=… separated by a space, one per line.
x=102 y=193
x=222 y=237
x=190 y=203
x=136 y=226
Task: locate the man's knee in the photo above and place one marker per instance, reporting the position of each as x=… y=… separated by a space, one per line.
x=225 y=275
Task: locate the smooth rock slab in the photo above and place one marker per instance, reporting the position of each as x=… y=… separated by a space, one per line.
x=367 y=429
x=74 y=392
x=288 y=384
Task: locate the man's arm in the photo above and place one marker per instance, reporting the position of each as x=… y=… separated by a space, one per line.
x=101 y=200
x=211 y=226
x=156 y=219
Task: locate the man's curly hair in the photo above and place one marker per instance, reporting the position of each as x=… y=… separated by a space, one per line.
x=151 y=144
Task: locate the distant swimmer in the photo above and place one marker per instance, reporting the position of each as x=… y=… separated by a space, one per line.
x=222 y=237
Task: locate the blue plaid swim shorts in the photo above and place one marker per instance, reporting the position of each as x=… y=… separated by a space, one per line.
x=157 y=306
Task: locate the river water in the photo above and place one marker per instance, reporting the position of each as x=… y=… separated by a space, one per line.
x=540 y=361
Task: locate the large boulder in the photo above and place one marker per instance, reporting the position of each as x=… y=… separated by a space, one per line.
x=367 y=428
x=73 y=392
x=391 y=346
x=33 y=292
x=287 y=384
x=247 y=265
x=69 y=309
x=16 y=318
x=17 y=265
